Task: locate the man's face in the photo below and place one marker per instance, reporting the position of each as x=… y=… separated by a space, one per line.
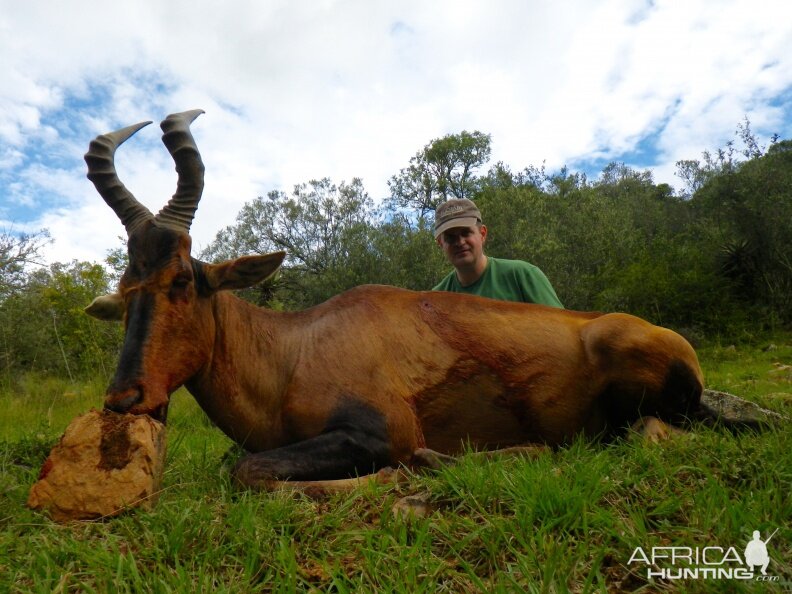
x=463 y=246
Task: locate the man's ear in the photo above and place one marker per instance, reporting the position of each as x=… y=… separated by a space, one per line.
x=483 y=231
x=109 y=308
x=243 y=272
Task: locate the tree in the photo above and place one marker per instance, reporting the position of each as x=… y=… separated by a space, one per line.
x=750 y=209
x=443 y=169
x=311 y=225
x=696 y=174
x=88 y=345
x=117 y=259
x=321 y=226
x=622 y=243
x=17 y=252
x=44 y=327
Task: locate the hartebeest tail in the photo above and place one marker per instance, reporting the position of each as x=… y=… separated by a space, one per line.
x=367 y=378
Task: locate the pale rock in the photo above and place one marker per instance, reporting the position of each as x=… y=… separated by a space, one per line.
x=733 y=410
x=412 y=507
x=103 y=464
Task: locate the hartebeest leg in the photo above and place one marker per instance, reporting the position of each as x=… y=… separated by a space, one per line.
x=333 y=455
x=319 y=489
x=354 y=443
x=428 y=458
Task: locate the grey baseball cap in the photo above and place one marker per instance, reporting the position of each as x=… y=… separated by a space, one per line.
x=455 y=213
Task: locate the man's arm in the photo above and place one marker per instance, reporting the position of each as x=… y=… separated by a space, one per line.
x=537 y=288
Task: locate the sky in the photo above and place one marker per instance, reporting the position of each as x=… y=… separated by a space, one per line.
x=295 y=91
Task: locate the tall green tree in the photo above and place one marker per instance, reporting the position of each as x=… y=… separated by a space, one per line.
x=695 y=173
x=18 y=251
x=44 y=329
x=312 y=224
x=750 y=212
x=335 y=239
x=321 y=226
x=445 y=168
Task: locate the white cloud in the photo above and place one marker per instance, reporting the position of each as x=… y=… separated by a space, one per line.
x=295 y=91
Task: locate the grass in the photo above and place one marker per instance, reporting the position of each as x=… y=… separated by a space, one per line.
x=566 y=521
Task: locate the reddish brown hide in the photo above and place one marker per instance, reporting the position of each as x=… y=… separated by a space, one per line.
x=366 y=378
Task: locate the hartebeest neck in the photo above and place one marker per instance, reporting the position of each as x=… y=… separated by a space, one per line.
x=243 y=386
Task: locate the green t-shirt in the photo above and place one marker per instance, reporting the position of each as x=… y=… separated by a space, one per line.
x=509 y=280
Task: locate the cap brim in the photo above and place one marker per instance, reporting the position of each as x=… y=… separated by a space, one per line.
x=454 y=223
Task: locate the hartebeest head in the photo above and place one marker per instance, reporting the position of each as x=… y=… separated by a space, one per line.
x=164 y=296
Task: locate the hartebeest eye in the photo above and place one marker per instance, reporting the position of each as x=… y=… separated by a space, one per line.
x=180 y=286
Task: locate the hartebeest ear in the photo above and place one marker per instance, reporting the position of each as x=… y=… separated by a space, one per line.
x=243 y=272
x=107 y=307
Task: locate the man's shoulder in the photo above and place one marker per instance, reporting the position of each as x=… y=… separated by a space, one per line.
x=505 y=265
x=446 y=284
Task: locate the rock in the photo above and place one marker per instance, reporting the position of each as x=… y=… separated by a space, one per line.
x=729 y=409
x=103 y=464
x=412 y=507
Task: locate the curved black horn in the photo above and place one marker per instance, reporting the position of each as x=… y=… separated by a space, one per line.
x=102 y=172
x=180 y=210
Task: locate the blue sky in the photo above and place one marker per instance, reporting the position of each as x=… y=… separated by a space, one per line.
x=300 y=91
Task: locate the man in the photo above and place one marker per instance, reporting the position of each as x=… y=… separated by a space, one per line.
x=461 y=235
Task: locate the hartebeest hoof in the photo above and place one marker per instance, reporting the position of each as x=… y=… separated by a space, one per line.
x=654 y=430
x=427 y=458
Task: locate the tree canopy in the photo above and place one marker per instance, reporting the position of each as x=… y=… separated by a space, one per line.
x=444 y=169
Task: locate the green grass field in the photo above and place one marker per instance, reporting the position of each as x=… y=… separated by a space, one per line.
x=567 y=521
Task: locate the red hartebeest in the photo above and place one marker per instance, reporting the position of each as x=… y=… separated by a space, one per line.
x=365 y=379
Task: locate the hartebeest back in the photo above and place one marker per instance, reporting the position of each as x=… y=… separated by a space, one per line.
x=366 y=378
